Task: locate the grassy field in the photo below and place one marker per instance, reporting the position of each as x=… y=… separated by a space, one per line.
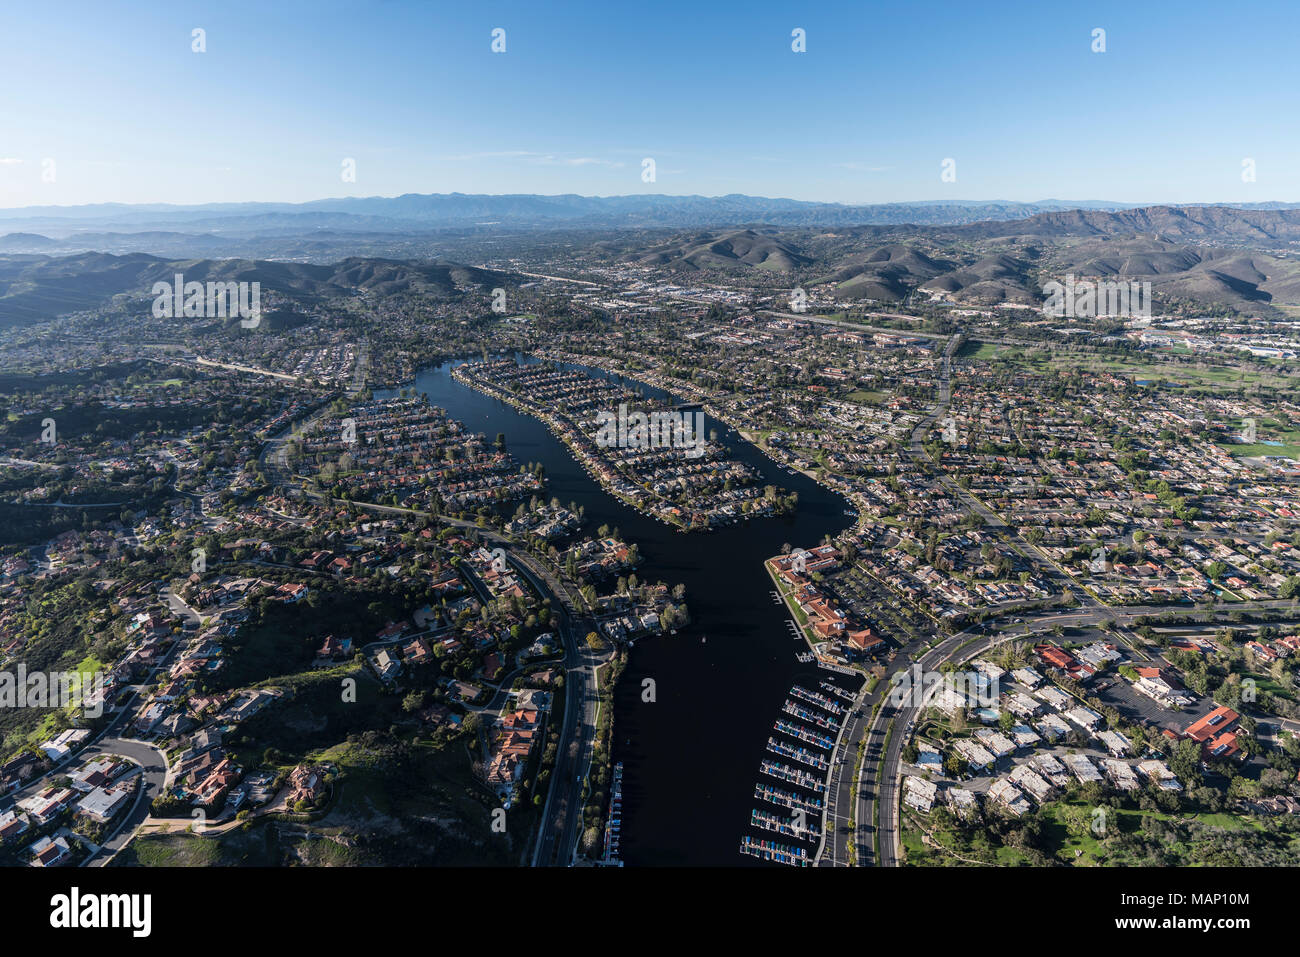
x=1205 y=374
x=1268 y=684
x=1268 y=431
x=1069 y=837
x=421 y=806
x=958 y=847
x=1291 y=451
x=408 y=805
x=261 y=844
x=984 y=351
x=172 y=850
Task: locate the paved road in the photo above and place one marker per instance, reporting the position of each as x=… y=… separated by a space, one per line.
x=561 y=828
x=152 y=767
x=153 y=773
x=874 y=796
x=109 y=740
x=840 y=792
x=960 y=647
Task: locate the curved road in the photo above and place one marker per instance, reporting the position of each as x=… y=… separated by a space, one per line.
x=562 y=823
x=873 y=797
x=153 y=772
x=958 y=648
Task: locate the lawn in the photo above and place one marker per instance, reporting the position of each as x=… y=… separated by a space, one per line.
x=1063 y=841
x=960 y=846
x=1273 y=439
x=1267 y=683
x=1202 y=374
x=171 y=850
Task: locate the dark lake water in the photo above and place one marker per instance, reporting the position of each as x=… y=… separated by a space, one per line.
x=691 y=757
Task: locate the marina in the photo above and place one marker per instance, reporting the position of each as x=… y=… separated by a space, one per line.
x=666 y=762
x=772 y=851
x=820 y=700
x=806 y=769
x=790 y=799
x=806 y=714
x=807 y=735
x=614 y=820
x=802 y=755
x=789 y=826
x=837 y=691
x=792 y=775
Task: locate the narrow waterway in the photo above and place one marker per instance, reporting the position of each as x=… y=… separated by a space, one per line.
x=691 y=757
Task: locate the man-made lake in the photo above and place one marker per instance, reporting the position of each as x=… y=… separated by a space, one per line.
x=691 y=757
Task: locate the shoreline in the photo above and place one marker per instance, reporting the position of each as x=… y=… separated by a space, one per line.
x=560 y=429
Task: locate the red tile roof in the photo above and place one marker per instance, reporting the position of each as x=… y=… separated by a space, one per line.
x=1218 y=720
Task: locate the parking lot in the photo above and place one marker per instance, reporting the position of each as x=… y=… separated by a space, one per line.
x=1137 y=707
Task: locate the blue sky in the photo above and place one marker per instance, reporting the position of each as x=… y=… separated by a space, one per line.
x=114 y=95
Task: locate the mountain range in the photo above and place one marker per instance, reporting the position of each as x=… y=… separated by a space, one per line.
x=1233 y=260
x=459 y=210
x=36 y=288
x=1215 y=257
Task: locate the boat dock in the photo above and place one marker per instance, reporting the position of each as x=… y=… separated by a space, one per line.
x=804 y=734
x=836 y=690
x=797 y=710
x=614 y=821
x=792 y=775
x=789 y=826
x=782 y=798
x=772 y=851
x=820 y=700
x=819 y=719
x=802 y=755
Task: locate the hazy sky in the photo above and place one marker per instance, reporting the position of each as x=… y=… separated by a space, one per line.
x=114 y=96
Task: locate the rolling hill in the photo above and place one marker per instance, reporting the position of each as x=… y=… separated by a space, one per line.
x=33 y=288
x=730 y=250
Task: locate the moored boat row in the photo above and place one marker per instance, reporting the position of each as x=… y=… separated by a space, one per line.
x=836 y=690
x=614 y=821
x=820 y=715
x=792 y=775
x=800 y=754
x=807 y=714
x=799 y=826
x=818 y=699
x=774 y=851
x=782 y=798
x=805 y=734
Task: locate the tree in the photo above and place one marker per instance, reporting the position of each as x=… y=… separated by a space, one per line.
x=1185 y=761
x=954 y=765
